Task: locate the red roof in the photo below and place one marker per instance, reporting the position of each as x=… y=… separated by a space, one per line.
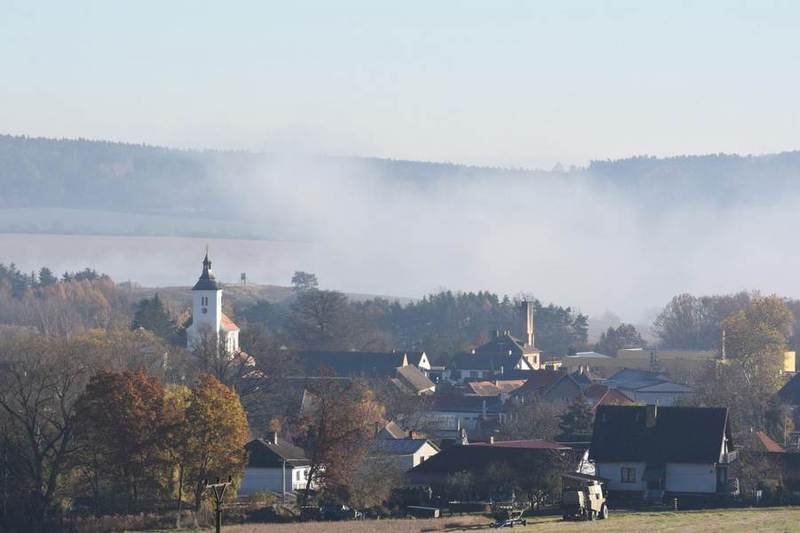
x=531 y=444
x=769 y=444
x=227 y=323
x=598 y=395
x=539 y=380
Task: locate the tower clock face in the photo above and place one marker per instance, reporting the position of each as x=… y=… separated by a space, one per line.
x=205 y=310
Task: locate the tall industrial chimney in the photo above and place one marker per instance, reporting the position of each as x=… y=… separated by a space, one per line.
x=527 y=317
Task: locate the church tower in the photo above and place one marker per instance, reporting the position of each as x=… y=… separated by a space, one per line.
x=207 y=316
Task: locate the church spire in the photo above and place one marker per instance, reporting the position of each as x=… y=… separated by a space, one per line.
x=206 y=281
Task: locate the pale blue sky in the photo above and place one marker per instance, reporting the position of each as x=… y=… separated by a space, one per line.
x=494 y=82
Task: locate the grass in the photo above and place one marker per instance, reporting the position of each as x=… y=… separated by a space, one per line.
x=722 y=520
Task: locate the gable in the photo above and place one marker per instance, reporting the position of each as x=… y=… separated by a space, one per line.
x=564 y=389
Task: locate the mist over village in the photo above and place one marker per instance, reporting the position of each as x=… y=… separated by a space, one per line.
x=366 y=267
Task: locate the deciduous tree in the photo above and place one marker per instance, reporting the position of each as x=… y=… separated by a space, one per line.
x=214 y=435
x=336 y=430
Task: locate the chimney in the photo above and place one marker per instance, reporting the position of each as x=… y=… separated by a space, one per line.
x=722 y=347
x=527 y=322
x=410 y=433
x=272 y=437
x=650 y=416
x=491 y=439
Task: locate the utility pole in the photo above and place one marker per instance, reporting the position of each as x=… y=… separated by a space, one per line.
x=283 y=486
x=218 y=491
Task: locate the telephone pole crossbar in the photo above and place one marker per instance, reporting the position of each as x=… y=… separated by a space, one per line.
x=218 y=492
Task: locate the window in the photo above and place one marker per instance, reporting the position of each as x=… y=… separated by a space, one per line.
x=627 y=474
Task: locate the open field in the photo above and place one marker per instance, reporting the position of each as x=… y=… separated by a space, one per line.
x=727 y=520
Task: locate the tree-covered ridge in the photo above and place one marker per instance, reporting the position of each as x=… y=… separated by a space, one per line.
x=129 y=178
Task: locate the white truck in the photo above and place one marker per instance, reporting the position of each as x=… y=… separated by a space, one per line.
x=582 y=498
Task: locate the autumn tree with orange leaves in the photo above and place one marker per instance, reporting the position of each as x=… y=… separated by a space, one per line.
x=120 y=428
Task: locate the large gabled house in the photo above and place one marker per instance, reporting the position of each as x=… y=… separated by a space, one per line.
x=651 y=451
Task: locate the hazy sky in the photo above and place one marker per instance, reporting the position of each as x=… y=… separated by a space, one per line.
x=501 y=83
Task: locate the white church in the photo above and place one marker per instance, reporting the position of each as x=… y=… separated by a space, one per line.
x=208 y=321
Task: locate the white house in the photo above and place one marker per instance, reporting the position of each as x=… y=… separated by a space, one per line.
x=274 y=463
x=651 y=451
x=208 y=322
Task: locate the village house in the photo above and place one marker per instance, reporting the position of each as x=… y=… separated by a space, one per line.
x=649 y=387
x=406 y=453
x=274 y=465
x=649 y=452
x=449 y=413
x=391 y=366
x=466 y=367
x=476 y=464
x=501 y=354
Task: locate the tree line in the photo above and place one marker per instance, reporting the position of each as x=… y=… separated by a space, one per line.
x=82 y=424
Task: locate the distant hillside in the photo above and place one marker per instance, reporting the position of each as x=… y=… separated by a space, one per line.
x=80 y=186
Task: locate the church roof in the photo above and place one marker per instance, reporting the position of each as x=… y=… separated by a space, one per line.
x=227 y=324
x=206 y=281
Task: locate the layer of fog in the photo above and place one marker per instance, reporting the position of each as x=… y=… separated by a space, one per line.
x=566 y=239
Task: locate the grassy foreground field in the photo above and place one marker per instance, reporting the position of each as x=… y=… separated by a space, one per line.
x=727 y=520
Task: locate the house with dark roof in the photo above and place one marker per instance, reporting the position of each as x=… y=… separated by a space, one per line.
x=449 y=413
x=503 y=352
x=392 y=366
x=477 y=461
x=274 y=465
x=350 y=363
x=652 y=452
x=477 y=367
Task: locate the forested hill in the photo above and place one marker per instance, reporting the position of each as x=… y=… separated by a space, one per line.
x=69 y=185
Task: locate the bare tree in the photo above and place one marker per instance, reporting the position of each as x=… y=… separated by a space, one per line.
x=39 y=383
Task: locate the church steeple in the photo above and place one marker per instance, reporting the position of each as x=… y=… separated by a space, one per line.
x=206 y=281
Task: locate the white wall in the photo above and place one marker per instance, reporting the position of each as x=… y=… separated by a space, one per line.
x=204 y=321
x=683 y=477
x=665 y=399
x=269 y=479
x=613 y=472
